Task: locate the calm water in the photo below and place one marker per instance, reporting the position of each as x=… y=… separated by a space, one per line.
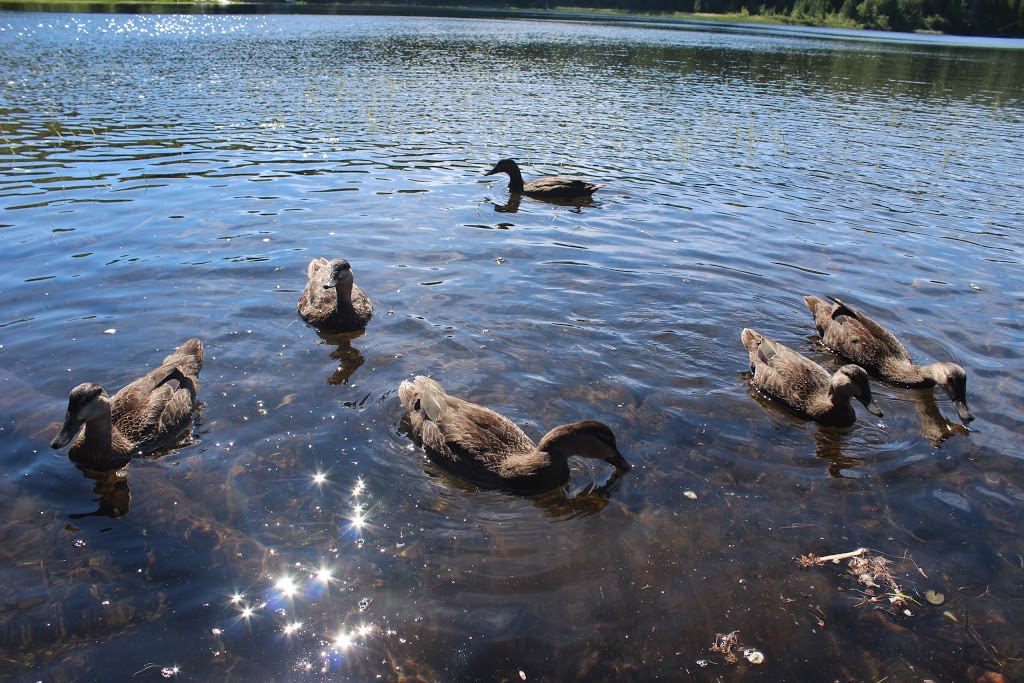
x=166 y=176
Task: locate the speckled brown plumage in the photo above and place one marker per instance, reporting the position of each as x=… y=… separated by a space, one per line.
x=858 y=338
x=486 y=448
x=554 y=187
x=331 y=301
x=149 y=414
x=805 y=387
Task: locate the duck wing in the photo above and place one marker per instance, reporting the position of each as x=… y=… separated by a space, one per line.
x=457 y=429
x=152 y=410
x=157 y=406
x=317 y=304
x=560 y=186
x=862 y=340
x=782 y=372
x=473 y=431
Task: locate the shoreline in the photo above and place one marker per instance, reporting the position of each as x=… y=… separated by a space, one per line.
x=403 y=9
x=850 y=28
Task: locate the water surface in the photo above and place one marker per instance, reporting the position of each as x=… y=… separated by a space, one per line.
x=163 y=177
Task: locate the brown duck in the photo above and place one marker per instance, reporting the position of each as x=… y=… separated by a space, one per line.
x=151 y=413
x=331 y=301
x=860 y=339
x=553 y=187
x=805 y=387
x=488 y=449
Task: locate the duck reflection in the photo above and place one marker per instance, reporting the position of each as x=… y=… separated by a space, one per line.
x=558 y=503
x=349 y=357
x=828 y=446
x=590 y=501
x=113 y=495
x=575 y=204
x=828 y=441
x=934 y=425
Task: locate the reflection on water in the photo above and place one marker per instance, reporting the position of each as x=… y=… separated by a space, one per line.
x=168 y=176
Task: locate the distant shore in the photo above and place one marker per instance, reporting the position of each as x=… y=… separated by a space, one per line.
x=409 y=8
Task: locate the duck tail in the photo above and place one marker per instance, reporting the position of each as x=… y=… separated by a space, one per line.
x=189 y=357
x=751 y=339
x=813 y=302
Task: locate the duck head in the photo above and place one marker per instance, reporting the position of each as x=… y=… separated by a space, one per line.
x=852 y=380
x=953 y=380
x=587 y=439
x=341 y=272
x=508 y=166
x=87 y=402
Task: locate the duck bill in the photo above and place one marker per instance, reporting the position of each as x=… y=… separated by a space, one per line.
x=68 y=430
x=492 y=171
x=963 y=411
x=331 y=283
x=873 y=408
x=620 y=462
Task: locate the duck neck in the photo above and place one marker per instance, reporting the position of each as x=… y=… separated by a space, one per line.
x=908 y=374
x=515 y=179
x=554 y=463
x=97 y=437
x=835 y=410
x=344 y=292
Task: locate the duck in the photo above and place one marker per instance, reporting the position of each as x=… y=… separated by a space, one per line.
x=149 y=414
x=490 y=450
x=332 y=301
x=553 y=187
x=859 y=339
x=805 y=387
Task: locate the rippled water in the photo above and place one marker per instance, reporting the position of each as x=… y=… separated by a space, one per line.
x=169 y=176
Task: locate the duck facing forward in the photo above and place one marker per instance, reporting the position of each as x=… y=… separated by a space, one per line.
x=149 y=414
x=332 y=301
x=805 y=387
x=553 y=187
x=858 y=338
x=488 y=449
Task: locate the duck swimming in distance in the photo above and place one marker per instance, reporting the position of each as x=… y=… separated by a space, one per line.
x=860 y=339
x=553 y=187
x=332 y=301
x=490 y=450
x=805 y=387
x=149 y=414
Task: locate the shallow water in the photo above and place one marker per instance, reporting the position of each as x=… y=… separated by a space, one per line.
x=169 y=176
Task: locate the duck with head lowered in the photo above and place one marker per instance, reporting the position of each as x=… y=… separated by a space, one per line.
x=332 y=301
x=858 y=338
x=490 y=450
x=149 y=414
x=553 y=187
x=805 y=387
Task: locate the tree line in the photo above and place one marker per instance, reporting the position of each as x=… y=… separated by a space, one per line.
x=961 y=17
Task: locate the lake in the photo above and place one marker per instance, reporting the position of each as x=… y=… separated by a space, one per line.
x=169 y=176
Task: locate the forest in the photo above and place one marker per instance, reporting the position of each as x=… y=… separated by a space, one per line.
x=960 y=17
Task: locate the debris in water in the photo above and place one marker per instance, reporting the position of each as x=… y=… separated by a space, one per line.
x=874 y=573
x=812 y=560
x=728 y=645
